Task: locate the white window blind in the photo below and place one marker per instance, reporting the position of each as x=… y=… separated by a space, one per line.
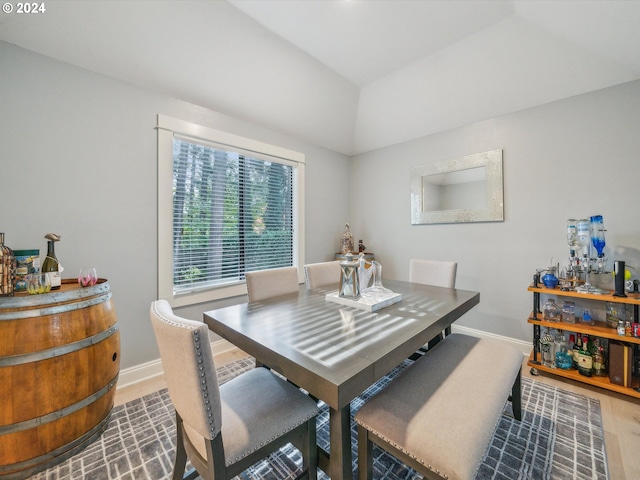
x=232 y=213
x=226 y=205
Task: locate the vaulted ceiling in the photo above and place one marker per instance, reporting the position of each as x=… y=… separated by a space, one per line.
x=349 y=75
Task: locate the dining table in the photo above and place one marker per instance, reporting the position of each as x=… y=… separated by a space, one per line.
x=335 y=351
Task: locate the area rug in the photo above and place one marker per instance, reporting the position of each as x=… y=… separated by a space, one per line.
x=559 y=437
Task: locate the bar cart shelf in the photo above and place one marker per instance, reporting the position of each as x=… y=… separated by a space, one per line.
x=599 y=329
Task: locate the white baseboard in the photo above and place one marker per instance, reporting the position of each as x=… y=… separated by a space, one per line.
x=521 y=345
x=145 y=371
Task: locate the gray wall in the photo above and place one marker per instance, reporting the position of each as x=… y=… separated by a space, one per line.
x=568 y=159
x=78 y=158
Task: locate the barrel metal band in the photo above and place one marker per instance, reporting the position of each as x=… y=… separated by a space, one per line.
x=42 y=462
x=58 y=414
x=13 y=360
x=67 y=307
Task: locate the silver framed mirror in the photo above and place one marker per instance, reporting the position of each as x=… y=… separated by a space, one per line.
x=459 y=190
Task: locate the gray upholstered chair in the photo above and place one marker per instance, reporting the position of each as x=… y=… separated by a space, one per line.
x=264 y=284
x=322 y=274
x=225 y=429
x=433 y=272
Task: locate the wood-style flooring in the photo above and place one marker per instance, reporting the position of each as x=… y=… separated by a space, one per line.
x=620 y=415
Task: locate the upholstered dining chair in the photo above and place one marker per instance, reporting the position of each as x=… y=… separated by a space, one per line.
x=264 y=284
x=433 y=272
x=225 y=429
x=322 y=274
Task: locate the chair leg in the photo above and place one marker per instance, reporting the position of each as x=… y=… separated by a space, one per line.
x=181 y=455
x=365 y=454
x=516 y=397
x=312 y=450
x=434 y=341
x=215 y=451
x=305 y=441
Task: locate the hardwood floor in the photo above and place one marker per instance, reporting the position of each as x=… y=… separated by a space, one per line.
x=620 y=415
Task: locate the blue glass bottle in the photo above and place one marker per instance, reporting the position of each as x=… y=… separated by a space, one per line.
x=597 y=234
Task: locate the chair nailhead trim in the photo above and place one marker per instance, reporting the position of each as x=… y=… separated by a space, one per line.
x=203 y=383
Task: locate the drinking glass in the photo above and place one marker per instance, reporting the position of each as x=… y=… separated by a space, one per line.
x=38 y=283
x=87 y=277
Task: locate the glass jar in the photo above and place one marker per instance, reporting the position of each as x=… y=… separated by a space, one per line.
x=551 y=312
x=568 y=312
x=587 y=319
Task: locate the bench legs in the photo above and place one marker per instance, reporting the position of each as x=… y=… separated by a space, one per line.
x=516 y=398
x=365 y=454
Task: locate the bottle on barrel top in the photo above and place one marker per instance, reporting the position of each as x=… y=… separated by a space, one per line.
x=51 y=266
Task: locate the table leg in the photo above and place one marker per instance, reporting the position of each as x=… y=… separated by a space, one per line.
x=340 y=444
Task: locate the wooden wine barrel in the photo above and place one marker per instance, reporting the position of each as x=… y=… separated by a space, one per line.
x=59 y=364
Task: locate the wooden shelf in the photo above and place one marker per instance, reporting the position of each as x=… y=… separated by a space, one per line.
x=572 y=374
x=599 y=329
x=631 y=298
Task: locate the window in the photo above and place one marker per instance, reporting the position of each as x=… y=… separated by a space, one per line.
x=227 y=205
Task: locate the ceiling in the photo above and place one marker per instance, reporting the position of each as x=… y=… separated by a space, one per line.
x=367 y=40
x=349 y=75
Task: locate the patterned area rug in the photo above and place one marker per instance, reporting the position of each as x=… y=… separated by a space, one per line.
x=559 y=437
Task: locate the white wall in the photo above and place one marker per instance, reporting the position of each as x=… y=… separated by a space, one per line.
x=78 y=158
x=568 y=159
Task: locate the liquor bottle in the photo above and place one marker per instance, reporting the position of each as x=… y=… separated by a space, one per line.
x=576 y=351
x=50 y=266
x=570 y=344
x=599 y=369
x=585 y=361
x=547 y=349
x=563 y=359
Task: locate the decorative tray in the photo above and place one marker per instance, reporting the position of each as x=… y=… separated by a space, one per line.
x=364 y=303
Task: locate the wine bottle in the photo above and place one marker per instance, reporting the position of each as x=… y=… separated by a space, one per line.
x=50 y=266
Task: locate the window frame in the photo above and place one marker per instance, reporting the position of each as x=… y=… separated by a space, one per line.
x=167 y=127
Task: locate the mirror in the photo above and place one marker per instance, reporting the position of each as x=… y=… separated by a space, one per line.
x=466 y=189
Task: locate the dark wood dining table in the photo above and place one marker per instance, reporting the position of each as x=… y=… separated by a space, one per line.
x=335 y=352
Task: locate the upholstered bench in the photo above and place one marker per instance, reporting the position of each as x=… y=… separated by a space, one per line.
x=439 y=414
